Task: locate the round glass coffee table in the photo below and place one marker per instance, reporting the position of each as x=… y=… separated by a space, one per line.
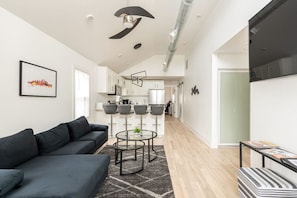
x=121 y=147
x=144 y=135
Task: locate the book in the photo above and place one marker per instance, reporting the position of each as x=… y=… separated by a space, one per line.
x=279 y=153
x=260 y=144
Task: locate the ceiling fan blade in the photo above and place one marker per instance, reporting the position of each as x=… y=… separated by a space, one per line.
x=125 y=31
x=133 y=10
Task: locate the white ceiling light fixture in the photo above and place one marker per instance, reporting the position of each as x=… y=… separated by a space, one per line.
x=128 y=21
x=90 y=17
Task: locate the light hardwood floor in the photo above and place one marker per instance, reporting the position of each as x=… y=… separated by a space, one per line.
x=197 y=170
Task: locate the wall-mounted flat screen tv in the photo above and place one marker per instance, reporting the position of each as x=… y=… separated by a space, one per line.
x=273 y=41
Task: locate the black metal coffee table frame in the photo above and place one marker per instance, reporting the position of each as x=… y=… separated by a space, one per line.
x=121 y=146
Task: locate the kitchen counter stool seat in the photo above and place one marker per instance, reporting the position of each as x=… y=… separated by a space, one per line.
x=157 y=110
x=125 y=109
x=140 y=110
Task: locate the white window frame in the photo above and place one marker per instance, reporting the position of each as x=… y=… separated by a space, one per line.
x=81 y=93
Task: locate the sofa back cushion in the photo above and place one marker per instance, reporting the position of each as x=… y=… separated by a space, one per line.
x=17 y=149
x=78 y=127
x=52 y=139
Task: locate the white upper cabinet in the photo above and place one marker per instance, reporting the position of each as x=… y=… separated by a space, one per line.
x=106 y=80
x=133 y=90
x=155 y=84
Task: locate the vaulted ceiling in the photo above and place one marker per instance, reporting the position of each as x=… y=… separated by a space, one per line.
x=67 y=21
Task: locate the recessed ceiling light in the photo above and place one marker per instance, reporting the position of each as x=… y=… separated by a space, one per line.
x=90 y=17
x=138 y=45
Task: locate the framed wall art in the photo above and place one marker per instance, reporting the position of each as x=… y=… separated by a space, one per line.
x=37 y=81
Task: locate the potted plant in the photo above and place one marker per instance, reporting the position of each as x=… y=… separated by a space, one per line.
x=136 y=130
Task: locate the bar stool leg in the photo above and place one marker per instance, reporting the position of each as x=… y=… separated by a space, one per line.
x=126 y=123
x=126 y=128
x=140 y=122
x=156 y=123
x=111 y=124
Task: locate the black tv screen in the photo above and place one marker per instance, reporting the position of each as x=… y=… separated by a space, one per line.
x=273 y=41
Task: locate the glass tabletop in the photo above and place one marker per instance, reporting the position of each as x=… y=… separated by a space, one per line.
x=125 y=146
x=131 y=135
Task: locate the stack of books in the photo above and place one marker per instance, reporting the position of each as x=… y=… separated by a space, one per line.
x=279 y=153
x=263 y=182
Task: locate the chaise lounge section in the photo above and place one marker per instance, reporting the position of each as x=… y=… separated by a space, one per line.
x=55 y=163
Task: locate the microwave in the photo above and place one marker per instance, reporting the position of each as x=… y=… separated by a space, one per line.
x=118 y=91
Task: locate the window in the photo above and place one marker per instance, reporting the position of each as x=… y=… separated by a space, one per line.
x=81 y=94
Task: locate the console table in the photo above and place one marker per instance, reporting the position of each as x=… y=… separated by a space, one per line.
x=264 y=155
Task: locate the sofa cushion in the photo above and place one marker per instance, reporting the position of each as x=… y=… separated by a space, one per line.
x=98 y=127
x=99 y=137
x=9 y=179
x=53 y=139
x=17 y=148
x=74 y=176
x=75 y=147
x=78 y=127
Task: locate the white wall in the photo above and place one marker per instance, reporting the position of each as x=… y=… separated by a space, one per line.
x=226 y=20
x=21 y=41
x=231 y=61
x=273 y=115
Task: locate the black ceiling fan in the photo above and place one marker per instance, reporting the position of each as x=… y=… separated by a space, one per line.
x=130 y=23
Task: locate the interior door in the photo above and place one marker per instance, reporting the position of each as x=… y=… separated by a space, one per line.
x=234 y=107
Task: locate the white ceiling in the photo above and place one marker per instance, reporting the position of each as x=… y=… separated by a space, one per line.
x=65 y=20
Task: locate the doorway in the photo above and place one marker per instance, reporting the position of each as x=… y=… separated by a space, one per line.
x=234 y=107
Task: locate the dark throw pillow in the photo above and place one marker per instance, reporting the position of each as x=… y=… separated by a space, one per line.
x=52 y=139
x=17 y=149
x=9 y=179
x=78 y=127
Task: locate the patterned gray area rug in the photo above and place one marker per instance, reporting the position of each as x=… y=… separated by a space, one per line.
x=153 y=181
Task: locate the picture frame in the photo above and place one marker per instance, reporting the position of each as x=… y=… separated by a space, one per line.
x=37 y=81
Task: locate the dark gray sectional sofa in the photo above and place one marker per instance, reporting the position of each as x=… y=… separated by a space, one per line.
x=54 y=164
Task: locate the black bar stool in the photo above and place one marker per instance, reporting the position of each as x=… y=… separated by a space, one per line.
x=140 y=110
x=157 y=110
x=125 y=109
x=110 y=109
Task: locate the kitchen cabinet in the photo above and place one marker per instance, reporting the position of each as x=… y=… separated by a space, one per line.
x=133 y=90
x=155 y=84
x=146 y=86
x=106 y=80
